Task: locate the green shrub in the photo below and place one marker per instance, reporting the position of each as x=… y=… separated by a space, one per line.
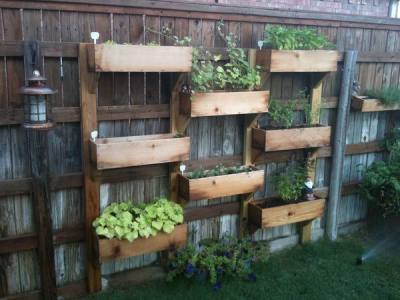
x=129 y=221
x=218 y=259
x=381 y=182
x=287 y=38
x=387 y=96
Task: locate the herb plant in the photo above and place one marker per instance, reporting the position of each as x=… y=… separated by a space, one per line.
x=387 y=96
x=218 y=170
x=381 y=182
x=218 y=259
x=287 y=38
x=208 y=73
x=290 y=185
x=281 y=114
x=129 y=221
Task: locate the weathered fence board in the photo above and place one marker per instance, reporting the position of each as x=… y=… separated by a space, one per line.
x=209 y=136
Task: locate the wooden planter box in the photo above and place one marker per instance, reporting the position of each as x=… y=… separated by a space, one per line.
x=121 y=152
x=365 y=104
x=298 y=60
x=118 y=249
x=135 y=58
x=292 y=138
x=285 y=214
x=220 y=186
x=224 y=103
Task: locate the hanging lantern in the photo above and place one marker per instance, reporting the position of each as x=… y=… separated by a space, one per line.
x=37 y=105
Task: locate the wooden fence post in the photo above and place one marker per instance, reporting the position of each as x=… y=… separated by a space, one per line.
x=38 y=153
x=339 y=144
x=91 y=186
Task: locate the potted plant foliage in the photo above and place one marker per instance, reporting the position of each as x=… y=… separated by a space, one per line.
x=220 y=181
x=281 y=134
x=296 y=201
x=128 y=229
x=296 y=50
x=223 y=85
x=383 y=99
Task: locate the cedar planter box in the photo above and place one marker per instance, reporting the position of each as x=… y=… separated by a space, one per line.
x=291 y=138
x=263 y=216
x=298 y=60
x=136 y=58
x=121 y=152
x=366 y=104
x=221 y=103
x=118 y=249
x=220 y=186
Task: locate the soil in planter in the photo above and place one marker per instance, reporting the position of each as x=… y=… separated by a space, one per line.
x=217 y=171
x=279 y=202
x=292 y=127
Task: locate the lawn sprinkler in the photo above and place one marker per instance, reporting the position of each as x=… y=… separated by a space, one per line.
x=360 y=260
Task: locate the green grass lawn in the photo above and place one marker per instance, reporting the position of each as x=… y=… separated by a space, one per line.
x=322 y=270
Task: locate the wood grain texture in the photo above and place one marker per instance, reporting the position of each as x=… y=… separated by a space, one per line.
x=224 y=103
x=133 y=58
x=111 y=153
x=298 y=60
x=292 y=138
x=91 y=187
x=118 y=249
x=285 y=214
x=365 y=104
x=220 y=186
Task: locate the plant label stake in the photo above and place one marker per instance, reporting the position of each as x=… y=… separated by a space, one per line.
x=94 y=135
x=95 y=36
x=182 y=168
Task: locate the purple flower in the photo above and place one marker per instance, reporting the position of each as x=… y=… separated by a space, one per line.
x=190 y=269
x=252 y=277
x=217 y=286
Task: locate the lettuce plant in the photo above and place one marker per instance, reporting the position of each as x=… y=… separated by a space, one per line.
x=129 y=221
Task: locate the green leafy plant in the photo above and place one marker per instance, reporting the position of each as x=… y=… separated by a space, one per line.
x=287 y=38
x=290 y=185
x=381 y=181
x=129 y=221
x=388 y=95
x=218 y=170
x=218 y=259
x=208 y=73
x=281 y=114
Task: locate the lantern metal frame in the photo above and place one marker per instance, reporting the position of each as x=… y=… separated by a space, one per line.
x=37 y=104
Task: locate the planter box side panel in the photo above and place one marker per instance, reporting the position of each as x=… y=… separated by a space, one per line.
x=116 y=249
x=297 y=138
x=225 y=185
x=371 y=105
x=298 y=60
x=132 y=58
x=139 y=153
x=228 y=103
x=292 y=213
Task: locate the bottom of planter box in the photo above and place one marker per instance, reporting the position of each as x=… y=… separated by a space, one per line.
x=263 y=216
x=118 y=249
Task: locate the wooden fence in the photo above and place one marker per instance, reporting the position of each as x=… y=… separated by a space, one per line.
x=137 y=103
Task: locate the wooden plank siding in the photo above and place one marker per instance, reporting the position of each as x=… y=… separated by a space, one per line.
x=137 y=104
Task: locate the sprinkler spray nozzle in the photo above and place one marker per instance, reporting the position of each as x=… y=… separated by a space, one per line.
x=360 y=261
